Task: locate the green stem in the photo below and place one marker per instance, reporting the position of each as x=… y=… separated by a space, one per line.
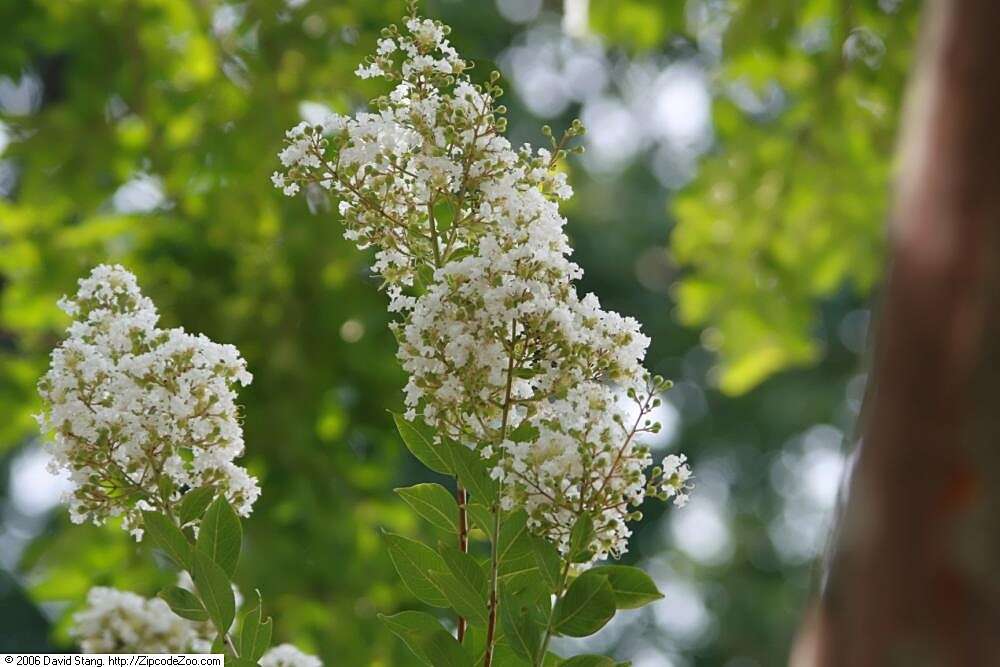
x=463 y=544
x=460 y=494
x=232 y=646
x=434 y=235
x=552 y=615
x=494 y=546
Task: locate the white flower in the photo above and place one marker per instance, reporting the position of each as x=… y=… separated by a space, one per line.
x=140 y=414
x=386 y=46
x=117 y=621
x=500 y=349
x=369 y=71
x=286 y=655
x=676 y=478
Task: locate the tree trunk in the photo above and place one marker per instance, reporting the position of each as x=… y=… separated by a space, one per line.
x=914 y=577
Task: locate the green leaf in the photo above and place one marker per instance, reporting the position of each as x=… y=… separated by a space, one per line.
x=255 y=634
x=461 y=598
x=580 y=539
x=419 y=439
x=464 y=567
x=194 y=503
x=444 y=214
x=524 y=432
x=482 y=518
x=505 y=656
x=530 y=590
x=414 y=562
x=529 y=587
x=184 y=603
x=221 y=535
x=412 y=627
x=588 y=604
x=632 y=587
x=513 y=536
x=589 y=661
x=239 y=662
x=215 y=590
x=522 y=628
x=434 y=503
x=549 y=562
x=463 y=584
x=472 y=473
x=443 y=650
x=514 y=549
x=166 y=487
x=168 y=538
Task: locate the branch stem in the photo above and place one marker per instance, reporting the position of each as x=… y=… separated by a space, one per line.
x=463 y=543
x=494 y=546
x=552 y=614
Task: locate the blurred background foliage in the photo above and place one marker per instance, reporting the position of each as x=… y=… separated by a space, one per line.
x=732 y=198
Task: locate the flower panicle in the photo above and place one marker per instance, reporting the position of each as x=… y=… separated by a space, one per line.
x=139 y=414
x=500 y=348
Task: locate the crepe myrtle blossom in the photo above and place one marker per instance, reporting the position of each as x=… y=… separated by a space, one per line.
x=502 y=353
x=115 y=621
x=419 y=178
x=287 y=655
x=140 y=414
x=675 y=479
x=584 y=458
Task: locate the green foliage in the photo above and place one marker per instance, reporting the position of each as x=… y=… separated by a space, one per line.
x=211 y=562
x=472 y=474
x=415 y=563
x=528 y=568
x=580 y=539
x=514 y=547
x=220 y=536
x=419 y=439
x=184 y=603
x=482 y=518
x=791 y=209
x=215 y=590
x=463 y=584
x=194 y=503
x=434 y=503
x=548 y=562
x=523 y=626
x=413 y=627
x=444 y=650
x=640 y=25
x=255 y=633
x=631 y=586
x=588 y=604
x=165 y=536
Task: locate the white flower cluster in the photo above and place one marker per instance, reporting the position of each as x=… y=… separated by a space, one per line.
x=287 y=655
x=117 y=621
x=434 y=152
x=140 y=414
x=676 y=479
x=501 y=351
